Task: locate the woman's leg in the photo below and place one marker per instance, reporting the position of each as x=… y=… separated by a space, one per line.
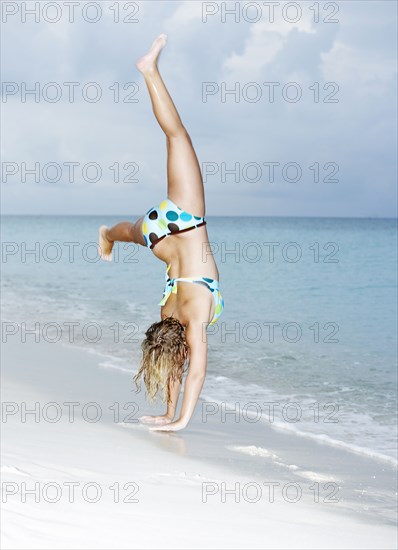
x=185 y=185
x=124 y=232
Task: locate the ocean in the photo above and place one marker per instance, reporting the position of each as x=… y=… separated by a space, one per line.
x=307 y=340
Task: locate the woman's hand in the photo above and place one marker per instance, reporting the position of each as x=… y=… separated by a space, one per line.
x=171 y=427
x=158 y=420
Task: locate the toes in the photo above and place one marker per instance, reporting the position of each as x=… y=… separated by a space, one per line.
x=105 y=257
x=104 y=248
x=161 y=38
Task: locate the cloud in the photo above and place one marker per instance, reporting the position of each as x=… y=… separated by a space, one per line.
x=358 y=132
x=185 y=13
x=265 y=41
x=344 y=63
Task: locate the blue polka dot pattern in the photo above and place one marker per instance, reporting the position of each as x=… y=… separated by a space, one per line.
x=211 y=284
x=167 y=219
x=185 y=217
x=171 y=215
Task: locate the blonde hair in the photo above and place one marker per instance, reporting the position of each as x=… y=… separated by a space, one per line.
x=164 y=353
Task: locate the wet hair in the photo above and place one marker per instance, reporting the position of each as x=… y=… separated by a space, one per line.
x=164 y=354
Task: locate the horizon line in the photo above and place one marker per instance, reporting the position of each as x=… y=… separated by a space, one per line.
x=214 y=215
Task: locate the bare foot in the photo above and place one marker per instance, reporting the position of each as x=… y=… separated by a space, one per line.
x=146 y=63
x=104 y=244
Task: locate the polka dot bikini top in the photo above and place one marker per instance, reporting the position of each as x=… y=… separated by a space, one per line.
x=167 y=219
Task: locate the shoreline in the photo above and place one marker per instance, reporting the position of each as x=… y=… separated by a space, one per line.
x=204 y=461
x=107 y=361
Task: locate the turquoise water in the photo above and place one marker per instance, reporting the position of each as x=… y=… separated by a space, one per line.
x=329 y=291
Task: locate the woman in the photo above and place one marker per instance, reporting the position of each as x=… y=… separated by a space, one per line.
x=175 y=231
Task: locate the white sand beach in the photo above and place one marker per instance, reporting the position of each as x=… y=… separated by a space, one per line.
x=88 y=475
x=286 y=113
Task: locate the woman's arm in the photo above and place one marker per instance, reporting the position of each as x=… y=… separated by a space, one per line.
x=197 y=342
x=175 y=388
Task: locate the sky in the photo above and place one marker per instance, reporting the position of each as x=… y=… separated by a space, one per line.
x=292 y=110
